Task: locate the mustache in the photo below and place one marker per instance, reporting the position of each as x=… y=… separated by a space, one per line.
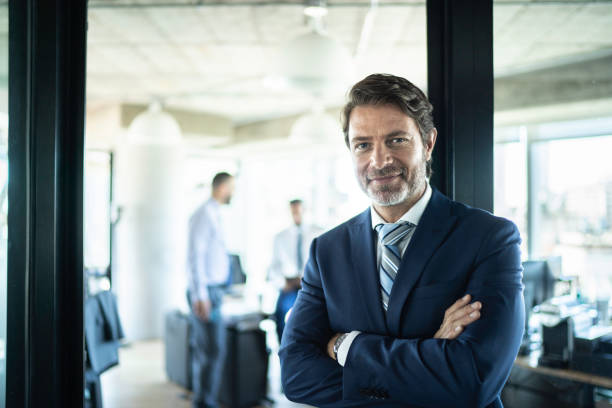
x=386 y=172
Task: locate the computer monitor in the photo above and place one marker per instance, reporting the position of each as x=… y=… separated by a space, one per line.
x=539 y=282
x=539 y=277
x=554 y=264
x=539 y=285
x=237 y=275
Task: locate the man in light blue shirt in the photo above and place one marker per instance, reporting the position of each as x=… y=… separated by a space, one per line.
x=208 y=272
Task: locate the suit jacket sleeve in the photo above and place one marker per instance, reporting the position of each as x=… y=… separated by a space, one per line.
x=467 y=372
x=308 y=374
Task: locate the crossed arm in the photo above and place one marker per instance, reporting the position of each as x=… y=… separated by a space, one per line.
x=465 y=371
x=461 y=314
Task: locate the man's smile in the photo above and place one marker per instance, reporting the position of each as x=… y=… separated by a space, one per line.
x=384 y=179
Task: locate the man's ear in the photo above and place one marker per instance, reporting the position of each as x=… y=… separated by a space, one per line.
x=429 y=146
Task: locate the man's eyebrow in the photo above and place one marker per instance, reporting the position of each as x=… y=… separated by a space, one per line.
x=396 y=133
x=360 y=139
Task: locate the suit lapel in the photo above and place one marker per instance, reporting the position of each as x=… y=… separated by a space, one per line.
x=363 y=254
x=434 y=226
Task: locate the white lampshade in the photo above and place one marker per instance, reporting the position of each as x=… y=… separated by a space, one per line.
x=315 y=62
x=316 y=127
x=154 y=127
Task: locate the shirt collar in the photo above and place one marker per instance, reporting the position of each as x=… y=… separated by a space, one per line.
x=212 y=202
x=213 y=206
x=413 y=215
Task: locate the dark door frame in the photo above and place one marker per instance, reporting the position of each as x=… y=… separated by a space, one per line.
x=460 y=87
x=45 y=218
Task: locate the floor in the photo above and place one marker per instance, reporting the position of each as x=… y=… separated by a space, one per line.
x=139 y=381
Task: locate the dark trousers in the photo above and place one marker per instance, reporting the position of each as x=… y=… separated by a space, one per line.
x=93 y=392
x=283 y=304
x=208 y=353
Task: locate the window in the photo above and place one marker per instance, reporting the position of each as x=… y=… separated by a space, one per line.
x=572 y=208
x=553 y=127
x=97 y=219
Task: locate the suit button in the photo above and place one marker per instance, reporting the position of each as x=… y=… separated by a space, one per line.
x=380 y=394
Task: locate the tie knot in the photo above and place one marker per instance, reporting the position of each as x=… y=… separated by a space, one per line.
x=391 y=234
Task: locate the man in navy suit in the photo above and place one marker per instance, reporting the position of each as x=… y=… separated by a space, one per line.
x=376 y=323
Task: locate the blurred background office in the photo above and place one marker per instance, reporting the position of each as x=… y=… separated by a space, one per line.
x=177 y=92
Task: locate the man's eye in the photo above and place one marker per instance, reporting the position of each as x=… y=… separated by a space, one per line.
x=397 y=140
x=361 y=146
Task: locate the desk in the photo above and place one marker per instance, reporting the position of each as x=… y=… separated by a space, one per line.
x=531 y=363
x=532 y=385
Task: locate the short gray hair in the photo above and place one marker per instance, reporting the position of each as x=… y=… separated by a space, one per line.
x=383 y=89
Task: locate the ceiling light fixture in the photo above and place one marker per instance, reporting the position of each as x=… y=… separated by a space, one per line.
x=316 y=63
x=315 y=8
x=154 y=127
x=316 y=127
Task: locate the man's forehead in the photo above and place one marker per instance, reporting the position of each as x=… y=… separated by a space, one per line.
x=378 y=112
x=367 y=117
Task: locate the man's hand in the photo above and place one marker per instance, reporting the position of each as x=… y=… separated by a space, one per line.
x=201 y=308
x=330 y=345
x=292 y=284
x=456 y=317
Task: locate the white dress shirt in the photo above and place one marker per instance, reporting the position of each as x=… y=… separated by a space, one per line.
x=284 y=257
x=207 y=257
x=413 y=215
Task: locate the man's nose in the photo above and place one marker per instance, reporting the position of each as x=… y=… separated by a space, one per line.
x=381 y=156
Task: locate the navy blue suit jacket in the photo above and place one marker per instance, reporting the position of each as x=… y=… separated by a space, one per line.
x=396 y=362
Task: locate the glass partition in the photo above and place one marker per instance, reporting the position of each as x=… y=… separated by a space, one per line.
x=553 y=121
x=217 y=70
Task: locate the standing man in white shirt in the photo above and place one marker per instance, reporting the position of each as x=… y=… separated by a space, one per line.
x=208 y=272
x=290 y=253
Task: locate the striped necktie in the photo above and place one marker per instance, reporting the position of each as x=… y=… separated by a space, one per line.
x=390 y=236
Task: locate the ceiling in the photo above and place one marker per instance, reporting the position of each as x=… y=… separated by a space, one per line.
x=219 y=57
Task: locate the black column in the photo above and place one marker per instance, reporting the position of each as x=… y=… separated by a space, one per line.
x=460 y=86
x=45 y=218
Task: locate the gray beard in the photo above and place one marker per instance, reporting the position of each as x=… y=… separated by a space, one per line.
x=411 y=186
x=388 y=198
